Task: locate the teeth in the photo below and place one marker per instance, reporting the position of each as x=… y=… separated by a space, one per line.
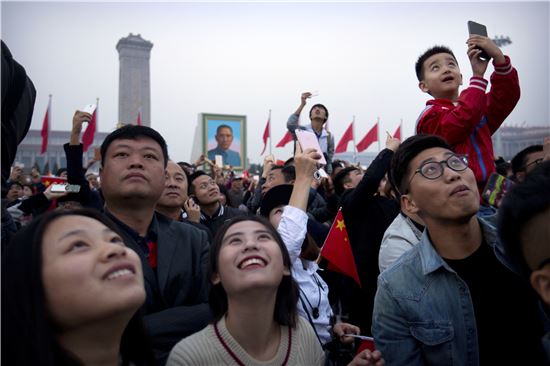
x=120 y=272
x=251 y=261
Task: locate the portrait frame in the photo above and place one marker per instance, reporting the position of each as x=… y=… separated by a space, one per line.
x=237 y=123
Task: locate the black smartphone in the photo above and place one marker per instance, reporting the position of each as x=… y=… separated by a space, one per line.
x=476 y=28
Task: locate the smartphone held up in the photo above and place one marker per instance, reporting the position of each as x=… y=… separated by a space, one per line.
x=479 y=29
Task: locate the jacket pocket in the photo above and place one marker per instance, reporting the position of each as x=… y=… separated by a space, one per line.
x=436 y=341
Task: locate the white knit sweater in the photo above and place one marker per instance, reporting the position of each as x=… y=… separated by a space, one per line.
x=204 y=348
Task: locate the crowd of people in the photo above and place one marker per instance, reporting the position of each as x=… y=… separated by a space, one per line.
x=154 y=261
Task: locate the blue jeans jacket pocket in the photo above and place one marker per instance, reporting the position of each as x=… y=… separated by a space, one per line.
x=436 y=339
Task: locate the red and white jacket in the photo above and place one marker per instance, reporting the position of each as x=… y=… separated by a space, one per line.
x=468 y=124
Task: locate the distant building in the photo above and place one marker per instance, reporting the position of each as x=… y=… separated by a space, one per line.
x=28 y=152
x=364 y=158
x=509 y=140
x=134 y=88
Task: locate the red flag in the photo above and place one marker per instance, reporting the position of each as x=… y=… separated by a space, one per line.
x=285 y=140
x=397 y=134
x=138 y=122
x=46 y=127
x=337 y=249
x=89 y=134
x=266 y=134
x=346 y=138
x=369 y=138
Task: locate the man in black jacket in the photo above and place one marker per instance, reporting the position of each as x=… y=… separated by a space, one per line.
x=173 y=254
x=367 y=216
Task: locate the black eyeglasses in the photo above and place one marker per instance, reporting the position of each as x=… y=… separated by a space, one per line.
x=434 y=169
x=534 y=162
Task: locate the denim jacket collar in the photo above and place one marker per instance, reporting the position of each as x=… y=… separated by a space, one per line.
x=432 y=261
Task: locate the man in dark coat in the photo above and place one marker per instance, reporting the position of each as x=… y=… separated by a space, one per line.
x=173 y=254
x=367 y=215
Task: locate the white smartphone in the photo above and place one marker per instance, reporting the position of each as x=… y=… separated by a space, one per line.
x=89 y=108
x=60 y=188
x=308 y=140
x=219 y=161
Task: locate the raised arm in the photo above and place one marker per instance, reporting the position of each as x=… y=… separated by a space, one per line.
x=294 y=118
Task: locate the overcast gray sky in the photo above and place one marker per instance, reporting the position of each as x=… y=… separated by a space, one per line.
x=248 y=58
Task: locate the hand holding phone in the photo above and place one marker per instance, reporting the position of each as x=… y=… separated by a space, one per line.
x=479 y=29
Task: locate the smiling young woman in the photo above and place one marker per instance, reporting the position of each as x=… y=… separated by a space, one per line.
x=71 y=291
x=253 y=299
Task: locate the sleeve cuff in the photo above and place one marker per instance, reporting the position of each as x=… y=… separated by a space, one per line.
x=478 y=83
x=504 y=68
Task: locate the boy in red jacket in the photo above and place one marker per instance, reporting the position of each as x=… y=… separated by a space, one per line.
x=468 y=120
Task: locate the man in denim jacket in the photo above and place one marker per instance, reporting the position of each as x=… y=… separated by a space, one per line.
x=452 y=299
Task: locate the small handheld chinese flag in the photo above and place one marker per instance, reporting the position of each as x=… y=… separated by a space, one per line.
x=337 y=250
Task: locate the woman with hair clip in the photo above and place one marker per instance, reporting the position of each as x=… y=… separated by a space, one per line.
x=71 y=291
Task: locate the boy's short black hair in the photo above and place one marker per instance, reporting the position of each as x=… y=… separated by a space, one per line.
x=320 y=106
x=524 y=201
x=406 y=152
x=133 y=132
x=419 y=66
x=519 y=160
x=342 y=178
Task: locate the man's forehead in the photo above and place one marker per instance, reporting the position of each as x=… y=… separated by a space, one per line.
x=224 y=131
x=439 y=57
x=142 y=142
x=433 y=153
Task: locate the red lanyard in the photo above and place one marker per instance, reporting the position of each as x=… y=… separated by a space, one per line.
x=237 y=360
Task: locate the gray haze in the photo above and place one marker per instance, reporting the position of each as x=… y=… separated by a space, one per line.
x=248 y=58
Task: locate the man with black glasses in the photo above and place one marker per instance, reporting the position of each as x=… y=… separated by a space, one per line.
x=453 y=299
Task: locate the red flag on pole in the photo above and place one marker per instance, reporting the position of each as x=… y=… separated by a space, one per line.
x=337 y=250
x=285 y=140
x=89 y=134
x=397 y=134
x=46 y=127
x=266 y=134
x=138 y=122
x=346 y=138
x=369 y=138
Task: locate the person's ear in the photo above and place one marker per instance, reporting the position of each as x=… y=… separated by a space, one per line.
x=422 y=86
x=408 y=204
x=540 y=281
x=286 y=271
x=460 y=79
x=215 y=279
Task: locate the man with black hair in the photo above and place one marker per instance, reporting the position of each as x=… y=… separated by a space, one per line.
x=318 y=114
x=173 y=255
x=453 y=298
x=525 y=234
x=526 y=160
x=206 y=193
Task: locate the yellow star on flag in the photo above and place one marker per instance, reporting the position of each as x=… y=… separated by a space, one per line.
x=340 y=225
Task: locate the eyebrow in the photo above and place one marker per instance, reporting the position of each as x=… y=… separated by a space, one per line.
x=261 y=231
x=80 y=231
x=447 y=153
x=125 y=146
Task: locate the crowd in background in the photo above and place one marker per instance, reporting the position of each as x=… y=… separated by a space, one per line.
x=159 y=261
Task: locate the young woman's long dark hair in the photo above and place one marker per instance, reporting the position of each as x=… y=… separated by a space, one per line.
x=287 y=293
x=28 y=335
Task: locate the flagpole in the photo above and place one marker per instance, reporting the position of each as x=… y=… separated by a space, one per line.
x=269 y=121
x=378 y=132
x=49 y=128
x=353 y=133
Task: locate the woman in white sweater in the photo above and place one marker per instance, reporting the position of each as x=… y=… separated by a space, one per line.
x=253 y=300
